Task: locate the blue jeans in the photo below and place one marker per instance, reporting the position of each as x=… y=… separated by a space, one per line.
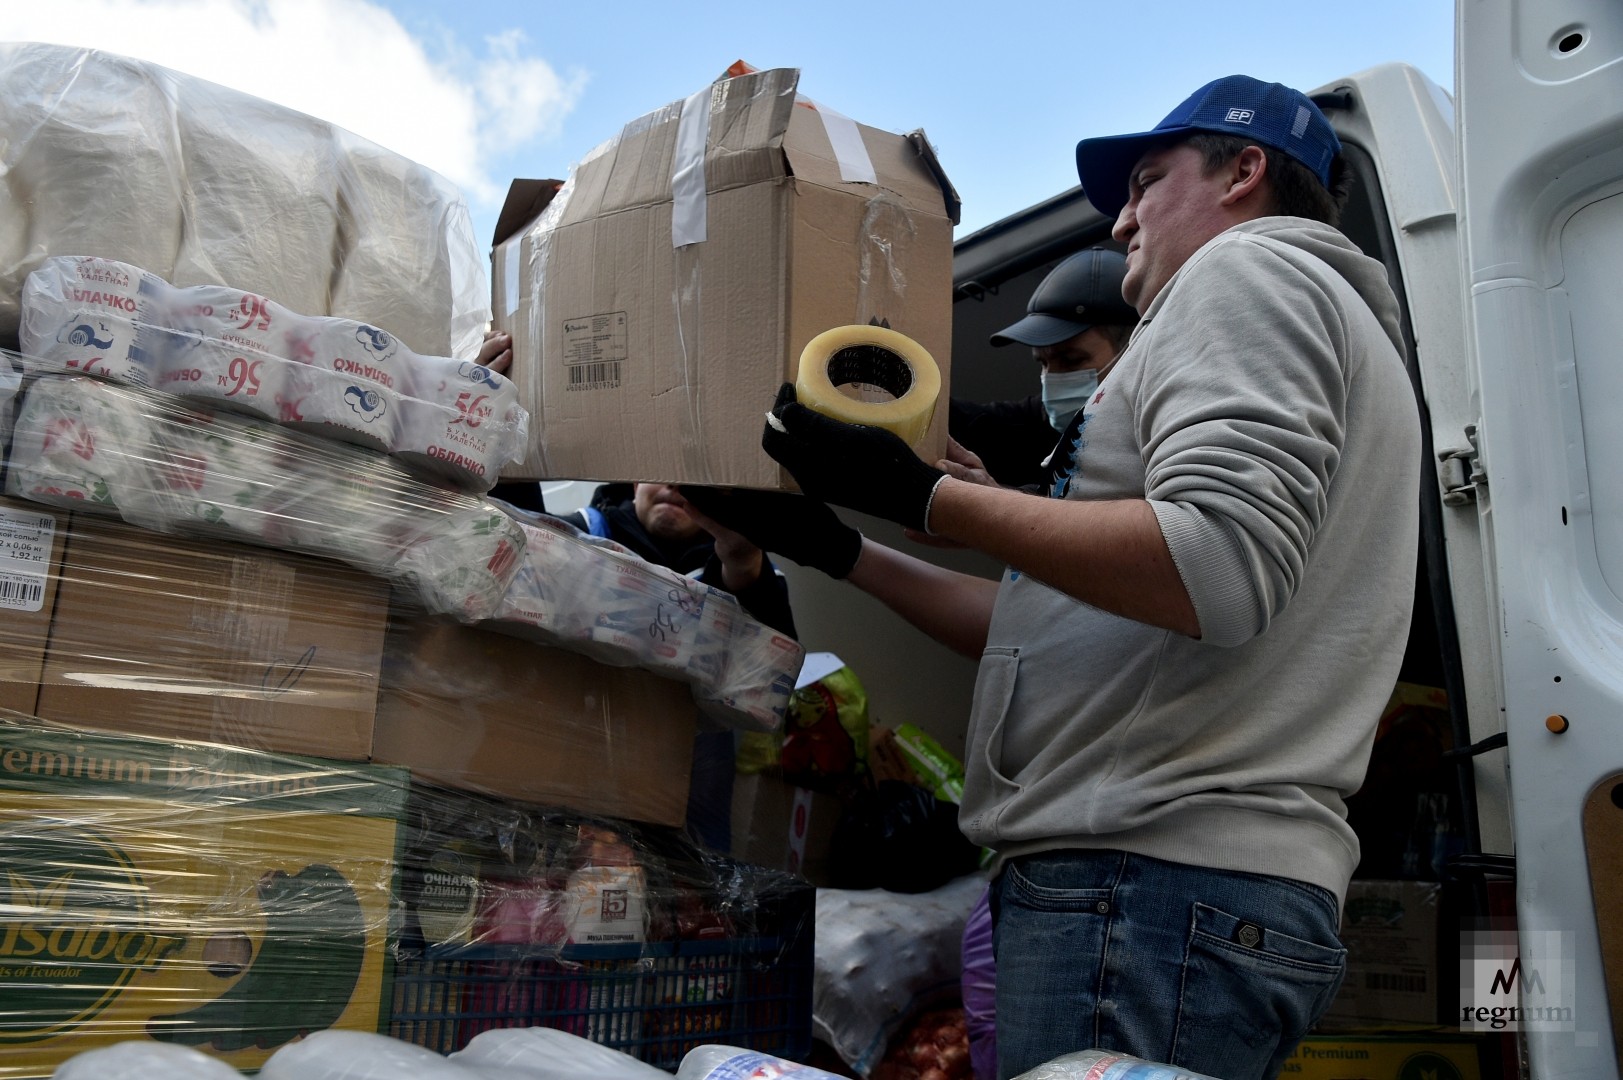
x=1210 y=970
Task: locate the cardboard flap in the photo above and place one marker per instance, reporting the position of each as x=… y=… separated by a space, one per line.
x=898 y=166
x=525 y=201
x=749 y=118
x=949 y=194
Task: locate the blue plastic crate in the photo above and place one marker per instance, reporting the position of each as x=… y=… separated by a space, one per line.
x=654 y=1001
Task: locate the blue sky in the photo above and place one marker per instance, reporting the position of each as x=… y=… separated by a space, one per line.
x=488 y=91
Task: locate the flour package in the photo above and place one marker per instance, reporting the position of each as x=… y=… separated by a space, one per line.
x=105 y=156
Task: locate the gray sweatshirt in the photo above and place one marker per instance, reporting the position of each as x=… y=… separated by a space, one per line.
x=1263 y=409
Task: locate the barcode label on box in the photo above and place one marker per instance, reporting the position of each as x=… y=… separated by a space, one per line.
x=603 y=375
x=25 y=557
x=594 y=349
x=22 y=592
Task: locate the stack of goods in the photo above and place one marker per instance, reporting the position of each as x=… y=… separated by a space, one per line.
x=202 y=185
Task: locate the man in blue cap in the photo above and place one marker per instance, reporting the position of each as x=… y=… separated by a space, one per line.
x=1182 y=668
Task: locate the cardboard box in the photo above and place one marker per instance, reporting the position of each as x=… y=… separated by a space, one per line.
x=31 y=542
x=782 y=827
x=1390 y=929
x=1436 y=1057
x=202 y=896
x=216 y=642
x=481 y=711
x=643 y=356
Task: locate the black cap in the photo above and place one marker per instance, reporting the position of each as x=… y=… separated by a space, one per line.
x=1080 y=293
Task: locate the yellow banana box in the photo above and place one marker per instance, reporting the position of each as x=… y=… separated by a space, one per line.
x=221 y=899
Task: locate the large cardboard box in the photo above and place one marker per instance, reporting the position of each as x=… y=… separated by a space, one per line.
x=482 y=711
x=1391 y=930
x=783 y=827
x=31 y=541
x=196 y=895
x=663 y=296
x=1432 y=1057
x=217 y=642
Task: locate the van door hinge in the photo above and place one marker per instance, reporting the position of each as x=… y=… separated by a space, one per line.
x=1460 y=471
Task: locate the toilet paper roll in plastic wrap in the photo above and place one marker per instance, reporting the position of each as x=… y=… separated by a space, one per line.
x=75 y=444
x=895 y=378
x=460 y=421
x=593 y=596
x=460 y=556
x=86 y=443
x=96 y=316
x=229 y=348
x=754 y=691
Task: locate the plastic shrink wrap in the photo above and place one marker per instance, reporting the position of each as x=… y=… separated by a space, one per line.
x=266 y=768
x=91 y=445
x=176 y=905
x=202 y=185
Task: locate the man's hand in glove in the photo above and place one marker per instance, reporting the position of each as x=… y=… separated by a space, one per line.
x=864 y=468
x=794 y=526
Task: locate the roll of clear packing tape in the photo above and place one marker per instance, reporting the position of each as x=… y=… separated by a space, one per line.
x=896 y=376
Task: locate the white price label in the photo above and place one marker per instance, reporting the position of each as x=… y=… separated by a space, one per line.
x=25 y=558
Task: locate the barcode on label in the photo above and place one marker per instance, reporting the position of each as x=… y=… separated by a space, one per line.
x=21 y=592
x=600 y=375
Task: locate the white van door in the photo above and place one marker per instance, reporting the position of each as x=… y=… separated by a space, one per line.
x=1539 y=91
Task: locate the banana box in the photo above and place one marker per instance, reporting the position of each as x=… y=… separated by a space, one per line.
x=204 y=896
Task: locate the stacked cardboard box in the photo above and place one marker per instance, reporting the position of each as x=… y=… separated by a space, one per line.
x=191 y=894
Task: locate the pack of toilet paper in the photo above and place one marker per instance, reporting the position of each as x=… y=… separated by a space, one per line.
x=202 y=185
x=235 y=349
x=87 y=444
x=593 y=596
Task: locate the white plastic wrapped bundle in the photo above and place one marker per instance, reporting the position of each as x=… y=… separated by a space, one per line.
x=103 y=155
x=169 y=468
x=753 y=689
x=460 y=555
x=593 y=596
x=361 y=1055
x=88 y=145
x=549 y=1054
x=75 y=445
x=96 y=316
x=235 y=349
x=144 y=1060
x=409 y=260
x=261 y=197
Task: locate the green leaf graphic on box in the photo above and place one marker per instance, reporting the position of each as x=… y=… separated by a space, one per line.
x=301 y=980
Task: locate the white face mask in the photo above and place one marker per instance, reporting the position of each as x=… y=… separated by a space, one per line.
x=1065 y=392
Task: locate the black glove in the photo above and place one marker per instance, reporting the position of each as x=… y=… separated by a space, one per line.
x=800 y=529
x=866 y=468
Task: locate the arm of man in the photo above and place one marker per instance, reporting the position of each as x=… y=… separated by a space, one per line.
x=1108 y=554
x=953 y=608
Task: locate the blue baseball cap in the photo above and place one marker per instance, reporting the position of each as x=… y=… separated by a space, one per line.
x=1268 y=114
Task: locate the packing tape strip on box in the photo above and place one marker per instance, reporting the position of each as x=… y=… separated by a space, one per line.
x=873 y=356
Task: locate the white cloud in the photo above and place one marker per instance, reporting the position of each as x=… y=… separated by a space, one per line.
x=349 y=62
